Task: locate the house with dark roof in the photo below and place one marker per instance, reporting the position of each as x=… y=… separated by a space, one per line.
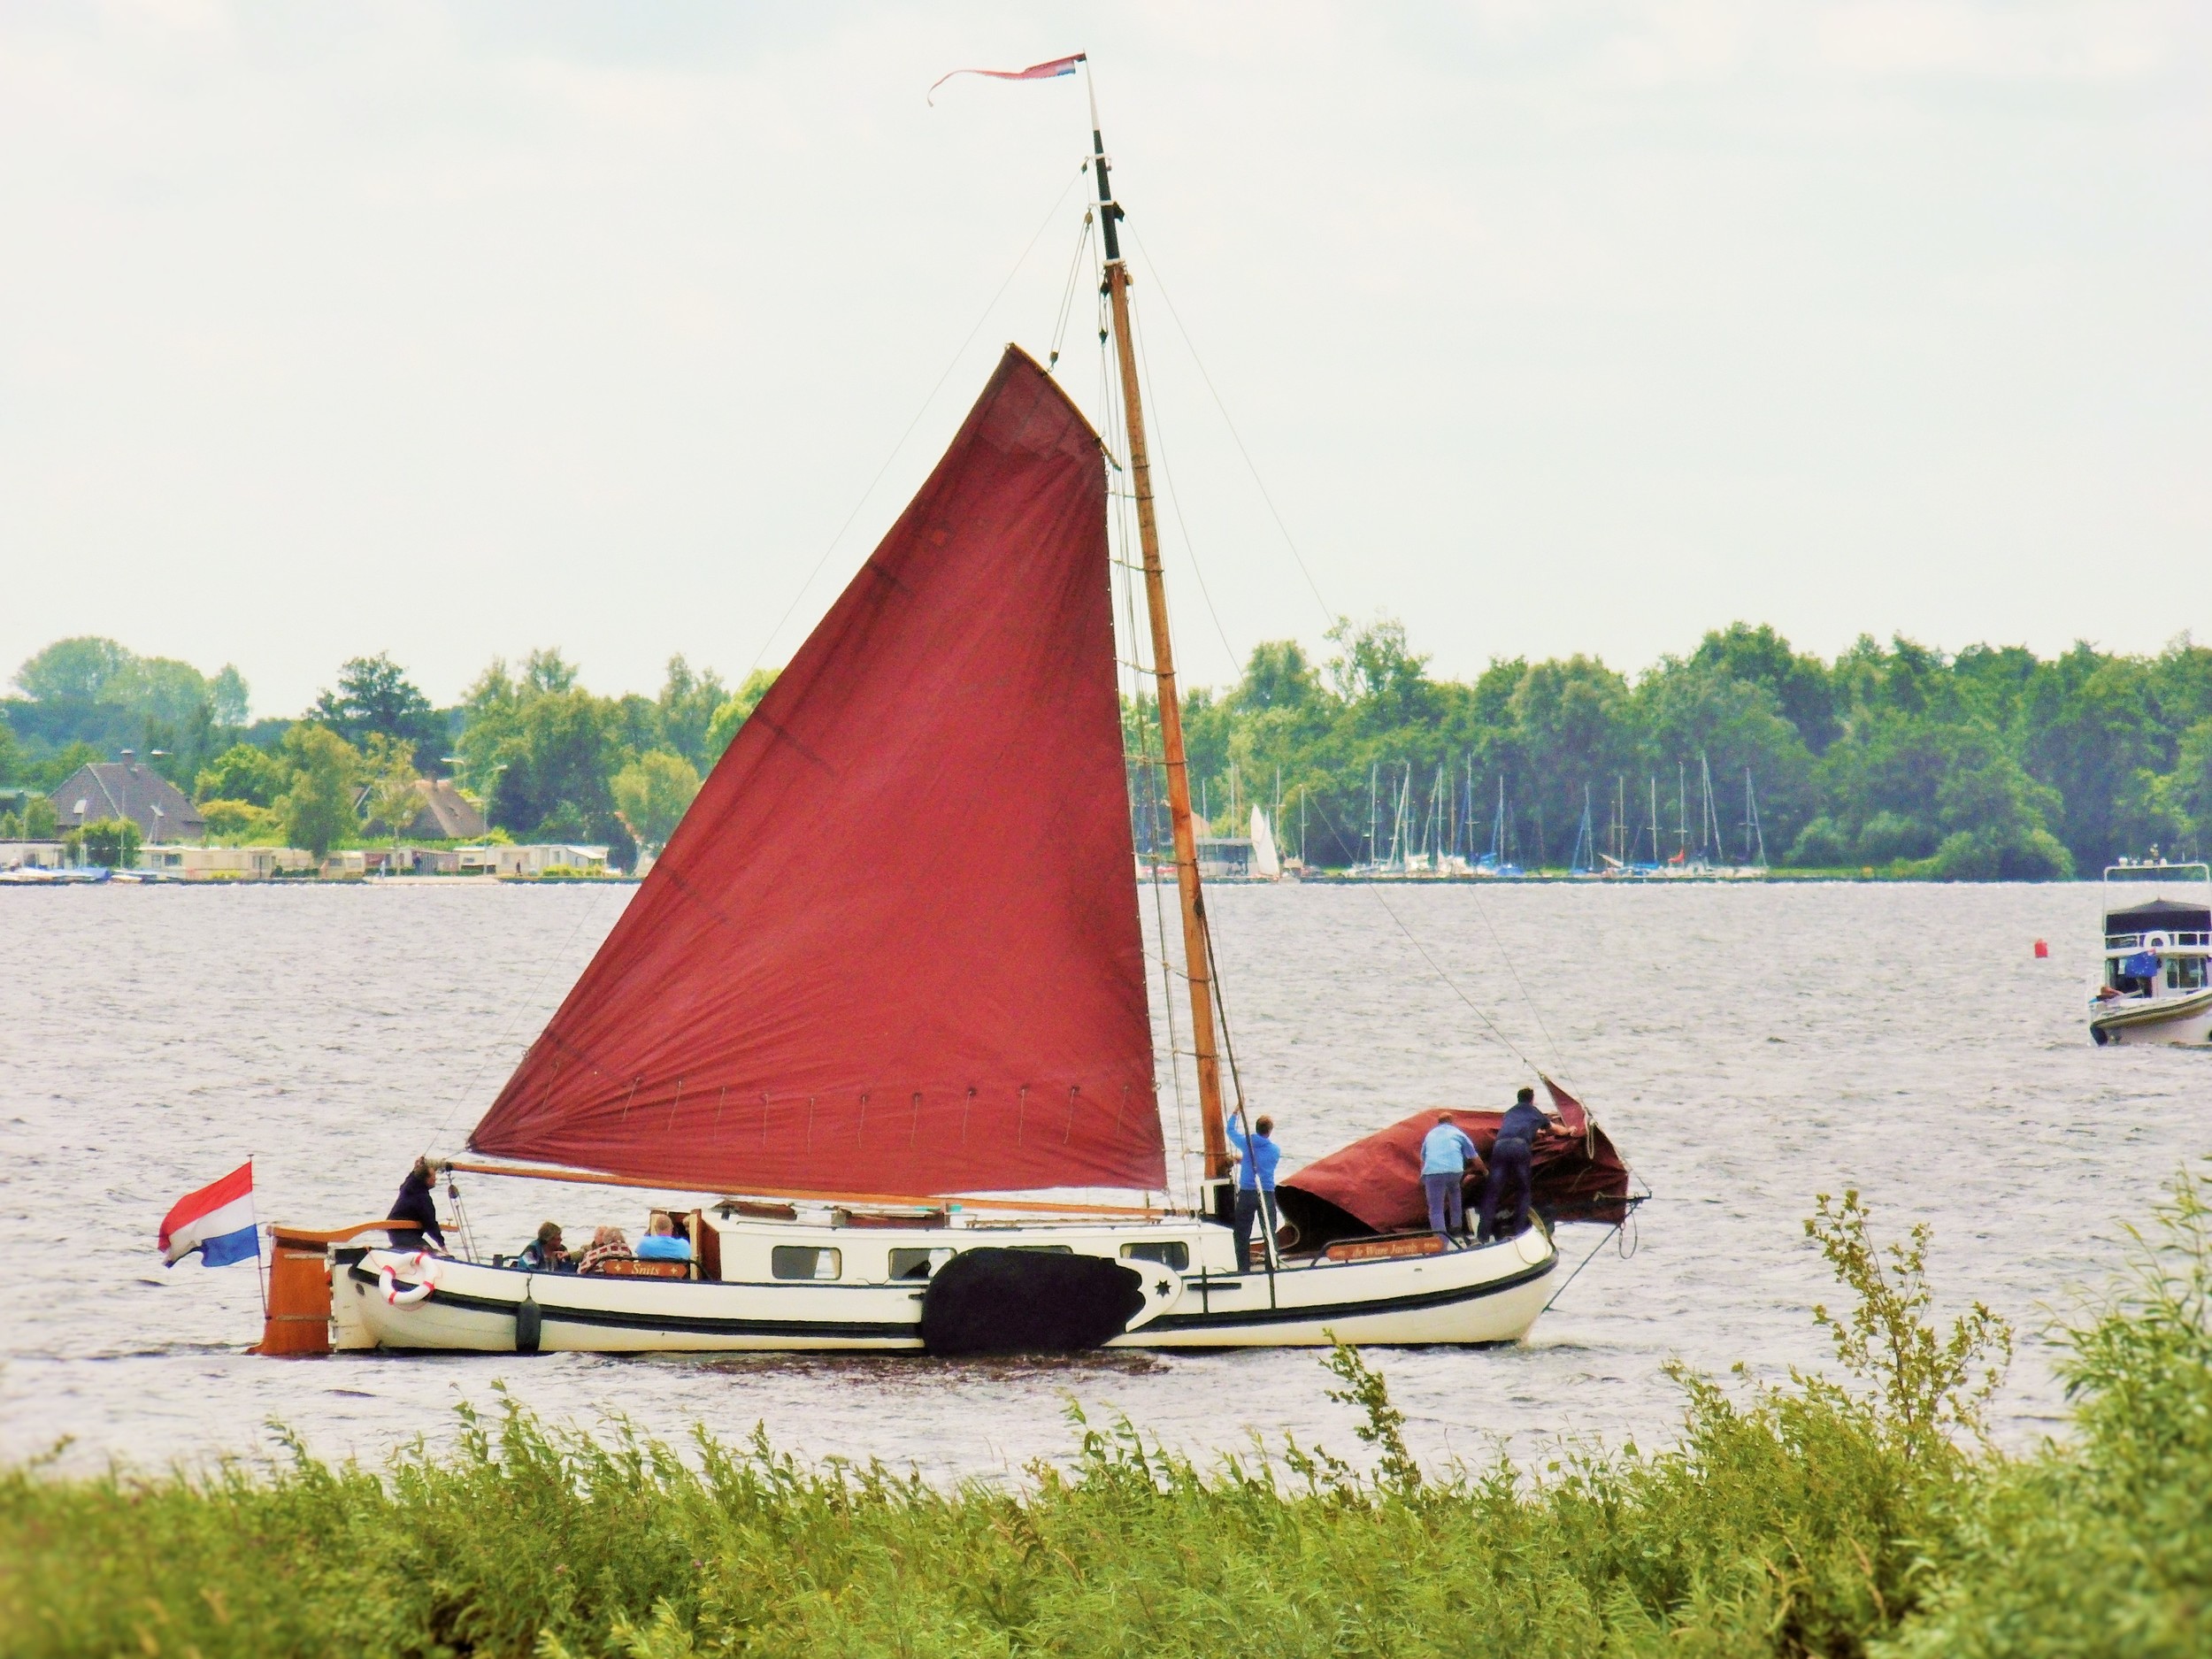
x=446 y=814
x=124 y=789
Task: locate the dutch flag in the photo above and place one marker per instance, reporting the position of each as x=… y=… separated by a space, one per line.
x=217 y=1221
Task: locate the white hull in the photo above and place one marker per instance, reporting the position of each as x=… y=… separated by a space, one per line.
x=1463 y=1295
x=2185 y=1020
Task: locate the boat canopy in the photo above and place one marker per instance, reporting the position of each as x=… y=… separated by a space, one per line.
x=894 y=946
x=1374 y=1185
x=2159 y=914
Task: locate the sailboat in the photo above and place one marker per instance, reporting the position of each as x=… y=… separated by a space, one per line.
x=883 y=1108
x=1267 y=861
x=1496 y=861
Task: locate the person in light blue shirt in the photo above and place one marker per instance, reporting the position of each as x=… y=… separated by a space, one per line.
x=1257 y=1155
x=1446 y=1152
x=660 y=1243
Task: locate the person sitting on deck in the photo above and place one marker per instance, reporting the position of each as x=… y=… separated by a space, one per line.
x=660 y=1243
x=417 y=1202
x=1446 y=1152
x=1512 y=1165
x=545 y=1252
x=1257 y=1155
x=607 y=1245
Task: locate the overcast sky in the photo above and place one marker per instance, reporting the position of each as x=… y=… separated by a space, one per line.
x=452 y=330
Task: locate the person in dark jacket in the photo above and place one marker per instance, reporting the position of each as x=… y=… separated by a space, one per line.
x=1511 y=1164
x=417 y=1202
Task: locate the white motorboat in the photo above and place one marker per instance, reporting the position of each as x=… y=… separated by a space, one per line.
x=876 y=1024
x=2152 y=984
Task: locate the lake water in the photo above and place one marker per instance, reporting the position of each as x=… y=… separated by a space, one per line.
x=1747 y=1047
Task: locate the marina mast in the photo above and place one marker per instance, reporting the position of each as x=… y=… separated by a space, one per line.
x=1197 y=952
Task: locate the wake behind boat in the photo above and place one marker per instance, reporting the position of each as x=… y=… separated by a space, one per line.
x=841 y=1072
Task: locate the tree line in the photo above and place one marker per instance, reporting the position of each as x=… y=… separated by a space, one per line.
x=543 y=759
x=1991 y=763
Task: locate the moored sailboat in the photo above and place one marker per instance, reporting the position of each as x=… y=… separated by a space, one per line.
x=881 y=1094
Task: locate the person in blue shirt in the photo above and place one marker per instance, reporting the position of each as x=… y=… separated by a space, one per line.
x=1511 y=1165
x=1257 y=1155
x=1446 y=1151
x=660 y=1243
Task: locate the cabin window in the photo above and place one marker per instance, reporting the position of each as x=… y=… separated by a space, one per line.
x=919 y=1263
x=1167 y=1252
x=805 y=1261
x=2185 y=973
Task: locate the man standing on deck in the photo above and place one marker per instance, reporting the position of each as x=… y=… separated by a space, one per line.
x=1446 y=1151
x=1257 y=1155
x=1511 y=1161
x=416 y=1203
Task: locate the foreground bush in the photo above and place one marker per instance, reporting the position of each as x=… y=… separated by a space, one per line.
x=1814 y=1517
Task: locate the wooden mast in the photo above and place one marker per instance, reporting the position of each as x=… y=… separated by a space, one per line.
x=1196 y=953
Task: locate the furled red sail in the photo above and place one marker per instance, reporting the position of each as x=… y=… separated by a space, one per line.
x=1374 y=1185
x=894 y=946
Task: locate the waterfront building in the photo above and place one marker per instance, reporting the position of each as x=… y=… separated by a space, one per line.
x=126 y=789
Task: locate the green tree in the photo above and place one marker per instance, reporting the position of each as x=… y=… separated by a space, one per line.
x=652 y=793
x=72 y=670
x=1802 y=690
x=1276 y=675
x=734 y=712
x=161 y=689
x=110 y=842
x=687 y=705
x=545 y=672
x=228 y=697
x=2094 y=737
x=375 y=697
x=317 y=808
x=240 y=823
x=1378 y=673
x=557 y=759
x=242 y=772
x=392 y=801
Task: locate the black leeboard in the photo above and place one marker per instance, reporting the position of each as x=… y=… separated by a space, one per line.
x=996 y=1301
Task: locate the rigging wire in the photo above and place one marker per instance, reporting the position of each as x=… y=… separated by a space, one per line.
x=599 y=903
x=1511 y=1047
x=951 y=363
x=1190 y=550
x=1067 y=294
x=1150 y=763
x=1290 y=543
x=1191 y=346
x=1535 y=1010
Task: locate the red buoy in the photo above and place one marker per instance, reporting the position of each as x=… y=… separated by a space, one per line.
x=2042 y=950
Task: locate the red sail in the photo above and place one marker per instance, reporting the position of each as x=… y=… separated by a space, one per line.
x=894 y=946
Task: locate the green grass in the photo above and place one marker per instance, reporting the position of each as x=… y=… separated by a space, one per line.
x=1863 y=1516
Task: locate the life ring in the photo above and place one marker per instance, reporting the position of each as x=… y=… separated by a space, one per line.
x=419 y=1264
x=2156 y=942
